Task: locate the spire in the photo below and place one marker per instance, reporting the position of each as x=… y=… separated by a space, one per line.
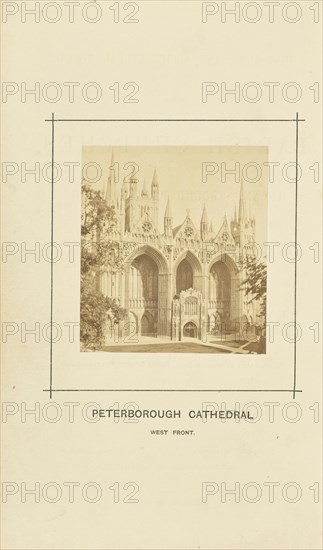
x=168 y=220
x=204 y=224
x=242 y=205
x=111 y=171
x=211 y=227
x=204 y=215
x=168 y=211
x=235 y=214
x=110 y=188
x=155 y=180
x=154 y=186
x=112 y=159
x=144 y=192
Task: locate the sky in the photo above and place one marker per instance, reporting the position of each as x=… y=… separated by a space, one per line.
x=190 y=177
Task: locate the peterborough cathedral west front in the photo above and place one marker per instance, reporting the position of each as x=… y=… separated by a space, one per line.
x=178 y=282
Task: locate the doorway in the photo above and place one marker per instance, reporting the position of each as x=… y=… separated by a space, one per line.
x=190 y=330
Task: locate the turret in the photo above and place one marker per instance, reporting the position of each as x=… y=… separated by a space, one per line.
x=110 y=194
x=154 y=198
x=133 y=187
x=245 y=231
x=204 y=225
x=168 y=222
x=155 y=187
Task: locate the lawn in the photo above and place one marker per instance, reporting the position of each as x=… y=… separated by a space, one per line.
x=176 y=347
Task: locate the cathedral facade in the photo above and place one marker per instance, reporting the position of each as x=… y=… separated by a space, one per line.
x=182 y=282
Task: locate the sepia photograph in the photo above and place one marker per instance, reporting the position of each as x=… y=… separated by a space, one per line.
x=161 y=275
x=171 y=249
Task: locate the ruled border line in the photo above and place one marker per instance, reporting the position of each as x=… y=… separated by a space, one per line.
x=54 y=120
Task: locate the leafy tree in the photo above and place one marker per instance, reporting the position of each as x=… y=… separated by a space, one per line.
x=97 y=250
x=98 y=221
x=255 y=282
x=255 y=288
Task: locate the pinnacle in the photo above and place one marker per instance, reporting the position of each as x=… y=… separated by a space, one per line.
x=168 y=211
x=155 y=180
x=204 y=215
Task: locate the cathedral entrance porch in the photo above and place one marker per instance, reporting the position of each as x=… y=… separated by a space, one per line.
x=190 y=330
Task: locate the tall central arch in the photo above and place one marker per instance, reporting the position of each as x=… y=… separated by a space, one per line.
x=184 y=276
x=187 y=272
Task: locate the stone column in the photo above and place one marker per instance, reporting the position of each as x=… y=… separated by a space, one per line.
x=164 y=305
x=117 y=284
x=205 y=297
x=122 y=290
x=126 y=278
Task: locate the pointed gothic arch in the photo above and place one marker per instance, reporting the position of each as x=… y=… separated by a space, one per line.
x=184 y=276
x=226 y=260
x=187 y=272
x=192 y=260
x=150 y=251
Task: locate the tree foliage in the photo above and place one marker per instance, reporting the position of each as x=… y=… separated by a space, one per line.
x=97 y=250
x=255 y=282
